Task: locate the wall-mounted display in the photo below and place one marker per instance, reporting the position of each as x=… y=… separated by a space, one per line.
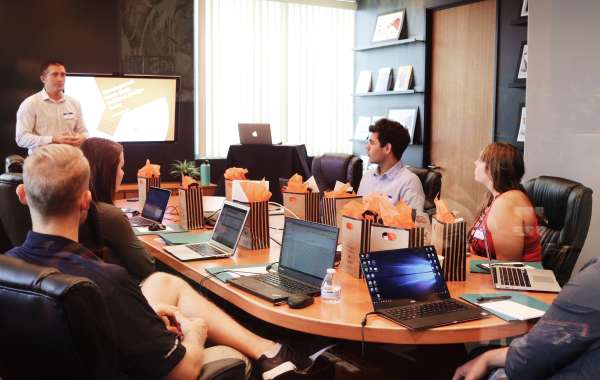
x=389 y=26
x=521 y=74
x=522 y=123
x=384 y=79
x=363 y=85
x=524 y=9
x=405 y=116
x=404 y=78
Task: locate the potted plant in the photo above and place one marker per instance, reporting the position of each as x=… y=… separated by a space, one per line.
x=185 y=168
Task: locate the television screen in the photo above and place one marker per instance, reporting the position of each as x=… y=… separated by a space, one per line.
x=126 y=108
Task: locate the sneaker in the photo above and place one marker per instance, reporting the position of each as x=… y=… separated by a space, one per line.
x=286 y=360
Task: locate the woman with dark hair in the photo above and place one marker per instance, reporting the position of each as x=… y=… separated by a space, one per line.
x=507 y=225
x=115 y=233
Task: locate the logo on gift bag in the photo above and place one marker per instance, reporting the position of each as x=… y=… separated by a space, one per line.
x=390 y=236
x=349 y=226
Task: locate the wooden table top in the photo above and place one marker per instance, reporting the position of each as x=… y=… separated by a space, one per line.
x=343 y=320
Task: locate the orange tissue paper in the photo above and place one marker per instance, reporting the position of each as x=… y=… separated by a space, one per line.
x=149 y=170
x=235 y=173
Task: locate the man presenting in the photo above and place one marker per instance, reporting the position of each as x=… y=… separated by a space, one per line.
x=387 y=143
x=50 y=116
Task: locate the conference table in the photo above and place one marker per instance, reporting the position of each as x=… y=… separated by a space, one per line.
x=342 y=320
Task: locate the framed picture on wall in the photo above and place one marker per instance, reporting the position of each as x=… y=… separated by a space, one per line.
x=521 y=73
x=407 y=117
x=389 y=26
x=522 y=122
x=524 y=9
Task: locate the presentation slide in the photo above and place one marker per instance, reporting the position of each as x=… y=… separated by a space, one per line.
x=126 y=109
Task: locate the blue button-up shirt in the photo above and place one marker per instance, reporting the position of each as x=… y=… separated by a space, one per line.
x=397 y=183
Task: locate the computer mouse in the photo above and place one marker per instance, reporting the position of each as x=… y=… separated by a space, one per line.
x=298 y=301
x=156 y=227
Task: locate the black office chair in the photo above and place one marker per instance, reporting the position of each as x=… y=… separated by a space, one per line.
x=56 y=326
x=564 y=210
x=332 y=167
x=432 y=186
x=15 y=217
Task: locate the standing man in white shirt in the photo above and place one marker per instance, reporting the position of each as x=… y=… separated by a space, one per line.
x=387 y=143
x=50 y=116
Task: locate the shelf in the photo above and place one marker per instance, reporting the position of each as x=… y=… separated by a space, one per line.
x=409 y=40
x=403 y=92
x=520 y=21
x=518 y=85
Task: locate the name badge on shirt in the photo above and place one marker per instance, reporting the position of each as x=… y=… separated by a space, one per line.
x=478 y=234
x=69 y=115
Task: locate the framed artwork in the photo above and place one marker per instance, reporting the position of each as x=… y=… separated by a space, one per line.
x=521 y=74
x=407 y=117
x=524 y=9
x=522 y=123
x=389 y=26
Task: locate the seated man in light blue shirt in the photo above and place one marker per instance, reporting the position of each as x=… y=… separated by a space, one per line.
x=387 y=143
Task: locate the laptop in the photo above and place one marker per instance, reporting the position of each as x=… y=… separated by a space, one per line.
x=154 y=208
x=255 y=133
x=307 y=251
x=407 y=286
x=518 y=276
x=224 y=240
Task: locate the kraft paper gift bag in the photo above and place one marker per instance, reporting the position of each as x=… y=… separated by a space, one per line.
x=450 y=241
x=191 y=212
x=306 y=206
x=256 y=231
x=331 y=210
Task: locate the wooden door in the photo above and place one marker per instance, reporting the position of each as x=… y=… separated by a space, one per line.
x=463 y=59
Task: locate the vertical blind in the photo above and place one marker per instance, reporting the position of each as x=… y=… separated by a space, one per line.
x=290 y=65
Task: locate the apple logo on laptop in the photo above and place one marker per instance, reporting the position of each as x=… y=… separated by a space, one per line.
x=254 y=134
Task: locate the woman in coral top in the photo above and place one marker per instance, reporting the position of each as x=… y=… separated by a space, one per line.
x=507 y=221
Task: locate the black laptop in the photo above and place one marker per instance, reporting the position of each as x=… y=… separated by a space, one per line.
x=408 y=287
x=307 y=251
x=154 y=208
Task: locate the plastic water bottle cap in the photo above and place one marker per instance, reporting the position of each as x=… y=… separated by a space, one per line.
x=330 y=270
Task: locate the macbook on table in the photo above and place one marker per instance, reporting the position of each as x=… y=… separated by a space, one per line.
x=255 y=133
x=225 y=237
x=407 y=286
x=307 y=251
x=154 y=208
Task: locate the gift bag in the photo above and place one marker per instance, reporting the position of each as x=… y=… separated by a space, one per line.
x=256 y=231
x=191 y=213
x=355 y=238
x=306 y=206
x=144 y=185
x=228 y=185
x=331 y=210
x=450 y=241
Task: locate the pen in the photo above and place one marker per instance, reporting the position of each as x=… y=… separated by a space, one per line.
x=492 y=299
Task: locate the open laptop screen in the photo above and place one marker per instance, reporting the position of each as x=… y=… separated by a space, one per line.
x=412 y=273
x=229 y=225
x=308 y=248
x=156 y=204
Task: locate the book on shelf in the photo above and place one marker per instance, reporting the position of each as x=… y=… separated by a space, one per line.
x=384 y=79
x=404 y=78
x=361 y=133
x=407 y=117
x=363 y=85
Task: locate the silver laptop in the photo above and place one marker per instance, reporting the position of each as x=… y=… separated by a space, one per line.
x=519 y=276
x=224 y=239
x=255 y=133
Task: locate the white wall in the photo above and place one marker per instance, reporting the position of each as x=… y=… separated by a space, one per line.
x=563 y=99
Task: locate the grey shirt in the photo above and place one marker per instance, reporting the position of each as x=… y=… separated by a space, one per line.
x=39 y=118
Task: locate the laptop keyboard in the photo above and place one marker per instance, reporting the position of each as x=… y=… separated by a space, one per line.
x=287 y=284
x=139 y=221
x=511 y=276
x=204 y=250
x=424 y=310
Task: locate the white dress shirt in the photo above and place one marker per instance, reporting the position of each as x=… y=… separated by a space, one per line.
x=397 y=183
x=39 y=118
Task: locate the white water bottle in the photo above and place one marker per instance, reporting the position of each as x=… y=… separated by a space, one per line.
x=331 y=291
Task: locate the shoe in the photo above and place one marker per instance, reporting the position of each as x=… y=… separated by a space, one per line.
x=286 y=360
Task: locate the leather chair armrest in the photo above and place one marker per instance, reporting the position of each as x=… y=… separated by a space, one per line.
x=224 y=369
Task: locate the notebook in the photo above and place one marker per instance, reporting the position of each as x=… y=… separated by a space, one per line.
x=255 y=133
x=154 y=208
x=224 y=240
x=307 y=251
x=407 y=286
